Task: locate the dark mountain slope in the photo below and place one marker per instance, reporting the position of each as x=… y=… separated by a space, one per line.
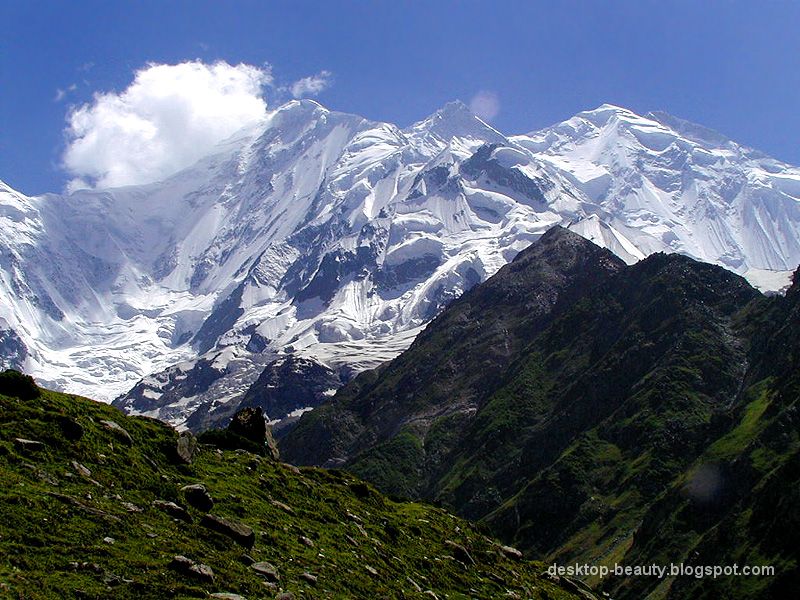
x=456 y=362
x=564 y=406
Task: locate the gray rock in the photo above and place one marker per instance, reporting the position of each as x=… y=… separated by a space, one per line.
x=173 y=510
x=267 y=570
x=226 y=596
x=187 y=566
x=186 y=447
x=312 y=579
x=236 y=531
x=117 y=430
x=80 y=469
x=29 y=445
x=285 y=596
x=198 y=497
x=460 y=553
x=511 y=552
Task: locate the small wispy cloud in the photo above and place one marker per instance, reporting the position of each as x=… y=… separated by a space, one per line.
x=312 y=85
x=485 y=104
x=61 y=94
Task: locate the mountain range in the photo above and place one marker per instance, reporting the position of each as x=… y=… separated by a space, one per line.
x=322 y=242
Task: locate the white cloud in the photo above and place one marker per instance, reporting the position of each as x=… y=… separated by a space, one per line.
x=169 y=117
x=485 y=104
x=312 y=85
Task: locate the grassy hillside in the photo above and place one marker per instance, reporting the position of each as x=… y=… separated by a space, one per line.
x=80 y=486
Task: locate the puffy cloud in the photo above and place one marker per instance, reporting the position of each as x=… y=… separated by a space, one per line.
x=312 y=85
x=485 y=104
x=169 y=117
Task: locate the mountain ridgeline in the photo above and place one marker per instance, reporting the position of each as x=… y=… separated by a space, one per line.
x=589 y=410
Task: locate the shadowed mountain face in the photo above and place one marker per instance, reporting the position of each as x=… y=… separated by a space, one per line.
x=593 y=411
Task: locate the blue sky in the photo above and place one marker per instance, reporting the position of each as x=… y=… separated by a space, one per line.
x=732 y=66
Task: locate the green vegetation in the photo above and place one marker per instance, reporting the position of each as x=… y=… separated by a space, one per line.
x=78 y=520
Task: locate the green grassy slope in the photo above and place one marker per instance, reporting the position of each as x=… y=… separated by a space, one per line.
x=78 y=520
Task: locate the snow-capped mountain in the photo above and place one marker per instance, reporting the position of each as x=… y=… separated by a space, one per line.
x=335 y=238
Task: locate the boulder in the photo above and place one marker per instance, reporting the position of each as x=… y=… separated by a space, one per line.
x=238 y=532
x=267 y=570
x=28 y=445
x=250 y=424
x=173 y=510
x=70 y=428
x=117 y=430
x=510 y=552
x=186 y=447
x=197 y=496
x=460 y=553
x=187 y=566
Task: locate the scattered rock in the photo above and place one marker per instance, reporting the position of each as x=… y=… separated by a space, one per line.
x=236 y=531
x=81 y=470
x=267 y=570
x=131 y=507
x=78 y=504
x=511 y=552
x=226 y=596
x=173 y=510
x=312 y=579
x=197 y=496
x=186 y=447
x=109 y=540
x=371 y=570
x=292 y=468
x=117 y=430
x=460 y=552
x=282 y=506
x=189 y=567
x=285 y=596
x=29 y=445
x=70 y=428
x=306 y=541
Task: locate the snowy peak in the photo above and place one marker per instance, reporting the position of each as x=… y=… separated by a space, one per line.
x=454 y=125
